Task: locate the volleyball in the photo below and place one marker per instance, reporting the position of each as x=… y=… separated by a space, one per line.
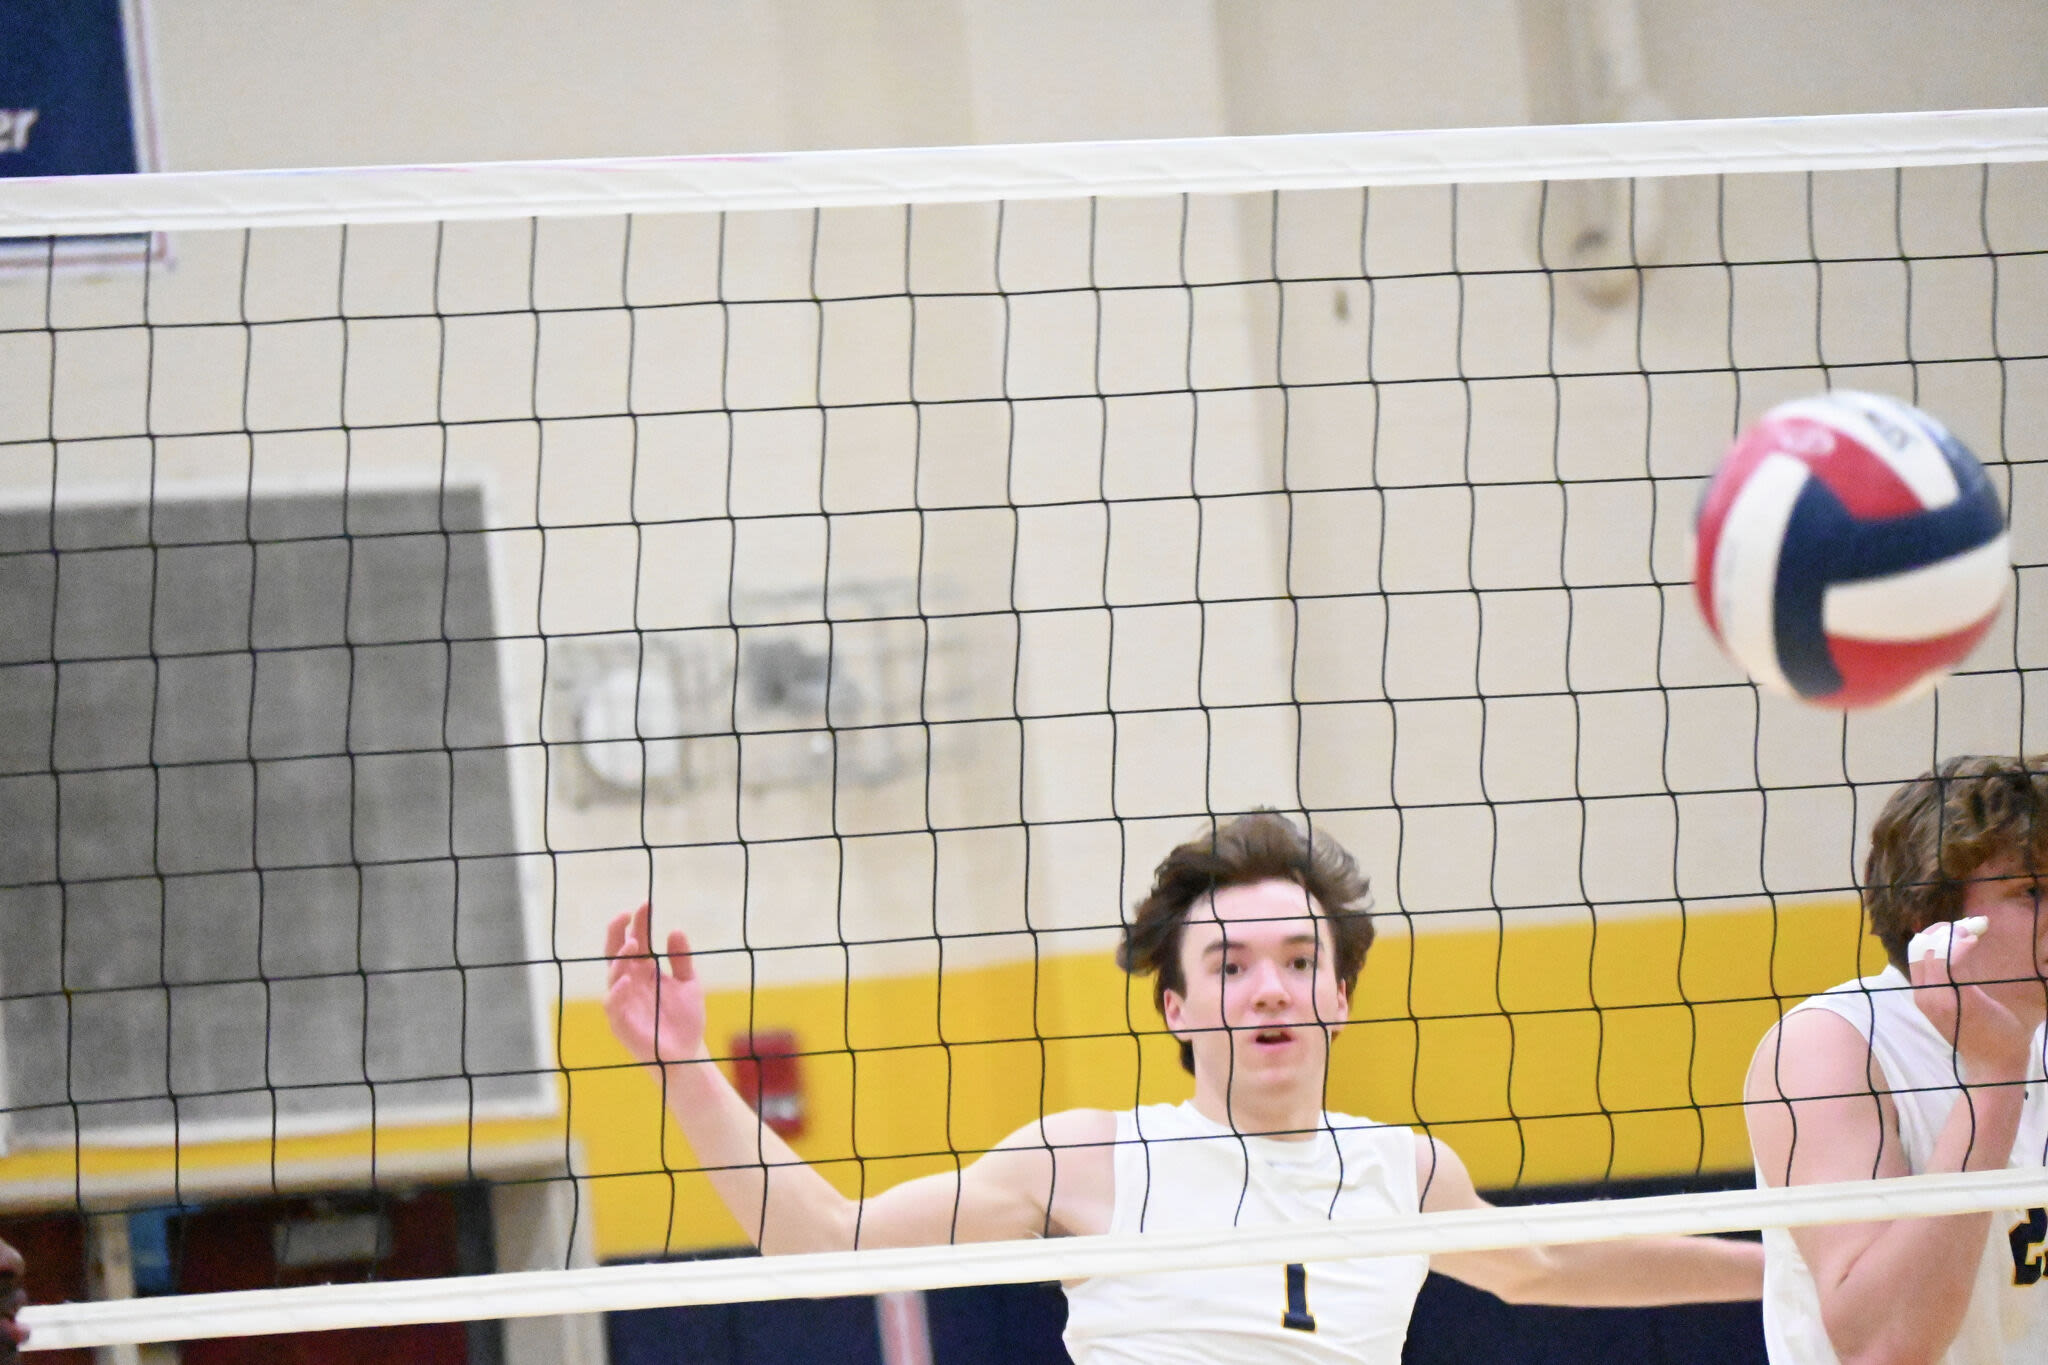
x=1850 y=550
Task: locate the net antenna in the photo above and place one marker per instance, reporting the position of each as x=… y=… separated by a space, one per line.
x=877 y=560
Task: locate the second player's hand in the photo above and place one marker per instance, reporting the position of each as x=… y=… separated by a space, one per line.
x=1993 y=1042
x=655 y=1003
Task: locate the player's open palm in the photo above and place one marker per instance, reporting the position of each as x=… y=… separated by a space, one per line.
x=655 y=1003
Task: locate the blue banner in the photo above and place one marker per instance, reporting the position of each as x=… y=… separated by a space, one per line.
x=66 y=106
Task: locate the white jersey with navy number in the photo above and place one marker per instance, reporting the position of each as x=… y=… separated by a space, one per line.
x=2007 y=1318
x=1177 y=1171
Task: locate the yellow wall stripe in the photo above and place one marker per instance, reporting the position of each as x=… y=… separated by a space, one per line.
x=1550 y=1054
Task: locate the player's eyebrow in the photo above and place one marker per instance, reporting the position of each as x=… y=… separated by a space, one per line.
x=1291 y=941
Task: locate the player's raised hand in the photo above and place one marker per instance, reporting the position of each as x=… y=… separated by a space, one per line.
x=1988 y=1036
x=655 y=1004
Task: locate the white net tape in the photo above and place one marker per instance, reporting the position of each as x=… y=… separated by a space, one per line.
x=234 y=199
x=612 y=1288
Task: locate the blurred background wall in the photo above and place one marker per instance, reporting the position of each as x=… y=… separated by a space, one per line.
x=245 y=84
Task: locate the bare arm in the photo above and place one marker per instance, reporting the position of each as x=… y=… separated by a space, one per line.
x=1813 y=1118
x=1631 y=1273
x=1043 y=1180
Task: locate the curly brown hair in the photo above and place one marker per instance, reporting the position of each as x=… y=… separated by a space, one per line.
x=1936 y=832
x=1261 y=846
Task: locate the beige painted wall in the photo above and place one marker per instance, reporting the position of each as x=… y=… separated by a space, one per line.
x=243 y=83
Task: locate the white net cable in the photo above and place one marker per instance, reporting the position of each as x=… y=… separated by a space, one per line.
x=831 y=1274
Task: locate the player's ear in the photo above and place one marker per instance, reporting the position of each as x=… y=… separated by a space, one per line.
x=1335 y=1024
x=1174 y=1008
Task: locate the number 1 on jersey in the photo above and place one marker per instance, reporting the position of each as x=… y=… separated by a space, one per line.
x=1297 y=1315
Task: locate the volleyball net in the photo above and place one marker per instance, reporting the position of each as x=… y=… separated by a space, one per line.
x=877 y=561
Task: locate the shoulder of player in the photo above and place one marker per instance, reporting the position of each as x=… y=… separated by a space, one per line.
x=1061 y=1167
x=1072 y=1138
x=1812 y=1054
x=1441 y=1180
x=1068 y=1129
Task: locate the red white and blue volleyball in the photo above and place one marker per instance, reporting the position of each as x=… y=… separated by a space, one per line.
x=1850 y=550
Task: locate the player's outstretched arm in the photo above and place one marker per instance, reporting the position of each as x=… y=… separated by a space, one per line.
x=1631 y=1273
x=1813 y=1118
x=1037 y=1182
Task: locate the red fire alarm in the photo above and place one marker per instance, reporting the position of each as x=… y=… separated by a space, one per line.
x=765 y=1072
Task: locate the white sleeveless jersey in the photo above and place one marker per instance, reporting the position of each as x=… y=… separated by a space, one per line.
x=2007 y=1319
x=1177 y=1171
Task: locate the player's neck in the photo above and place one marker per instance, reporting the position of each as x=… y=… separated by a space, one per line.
x=1295 y=1113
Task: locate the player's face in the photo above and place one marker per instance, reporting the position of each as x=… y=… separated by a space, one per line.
x=1262 y=998
x=2013 y=949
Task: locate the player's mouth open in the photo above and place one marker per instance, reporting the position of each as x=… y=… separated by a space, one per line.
x=1273 y=1037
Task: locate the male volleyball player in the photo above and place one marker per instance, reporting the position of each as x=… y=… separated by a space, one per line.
x=12 y=1299
x=1934 y=1064
x=1256 y=935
